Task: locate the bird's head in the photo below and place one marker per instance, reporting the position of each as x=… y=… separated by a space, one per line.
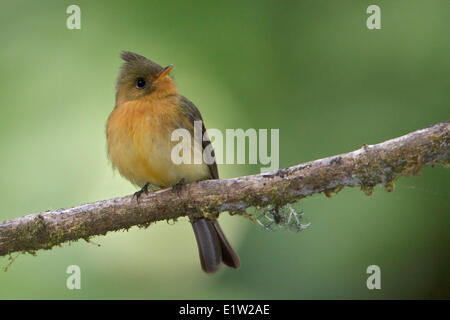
x=140 y=77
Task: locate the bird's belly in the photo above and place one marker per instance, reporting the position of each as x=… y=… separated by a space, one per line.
x=159 y=169
x=142 y=153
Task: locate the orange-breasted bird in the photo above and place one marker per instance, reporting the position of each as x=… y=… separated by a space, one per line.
x=148 y=109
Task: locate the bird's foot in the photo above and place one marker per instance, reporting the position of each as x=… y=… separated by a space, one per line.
x=139 y=193
x=178 y=186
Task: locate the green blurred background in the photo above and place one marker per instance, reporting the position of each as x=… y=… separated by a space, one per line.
x=310 y=68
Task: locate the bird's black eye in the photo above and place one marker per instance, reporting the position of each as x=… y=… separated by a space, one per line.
x=140 y=83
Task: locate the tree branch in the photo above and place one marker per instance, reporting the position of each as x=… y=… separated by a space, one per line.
x=366 y=167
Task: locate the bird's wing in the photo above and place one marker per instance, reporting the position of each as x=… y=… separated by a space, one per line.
x=192 y=113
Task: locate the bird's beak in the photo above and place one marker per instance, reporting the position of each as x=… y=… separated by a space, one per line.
x=164 y=72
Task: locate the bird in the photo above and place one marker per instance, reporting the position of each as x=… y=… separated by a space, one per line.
x=148 y=108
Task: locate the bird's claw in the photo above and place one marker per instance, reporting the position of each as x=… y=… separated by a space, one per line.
x=139 y=193
x=178 y=186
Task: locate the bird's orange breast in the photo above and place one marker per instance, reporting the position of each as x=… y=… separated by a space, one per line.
x=139 y=143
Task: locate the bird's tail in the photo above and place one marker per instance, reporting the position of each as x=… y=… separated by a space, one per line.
x=213 y=246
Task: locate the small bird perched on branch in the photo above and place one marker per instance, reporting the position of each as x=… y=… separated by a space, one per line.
x=148 y=109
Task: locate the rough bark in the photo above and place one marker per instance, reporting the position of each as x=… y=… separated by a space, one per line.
x=366 y=167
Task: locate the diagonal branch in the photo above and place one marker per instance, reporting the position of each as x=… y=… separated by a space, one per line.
x=366 y=167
